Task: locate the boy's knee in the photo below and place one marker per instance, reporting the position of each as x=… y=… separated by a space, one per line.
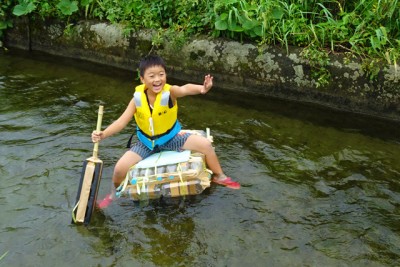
x=119 y=172
x=208 y=146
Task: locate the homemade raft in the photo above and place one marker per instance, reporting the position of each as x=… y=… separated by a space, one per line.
x=167 y=174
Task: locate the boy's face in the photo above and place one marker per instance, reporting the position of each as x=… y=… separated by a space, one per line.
x=154 y=78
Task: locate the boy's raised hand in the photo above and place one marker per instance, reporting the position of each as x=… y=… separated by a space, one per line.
x=208 y=83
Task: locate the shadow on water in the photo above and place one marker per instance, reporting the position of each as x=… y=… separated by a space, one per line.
x=319 y=187
x=161 y=232
x=312 y=113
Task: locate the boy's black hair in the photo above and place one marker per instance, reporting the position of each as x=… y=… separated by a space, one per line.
x=150 y=61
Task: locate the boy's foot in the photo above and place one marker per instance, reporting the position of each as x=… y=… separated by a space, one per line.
x=227 y=181
x=105 y=202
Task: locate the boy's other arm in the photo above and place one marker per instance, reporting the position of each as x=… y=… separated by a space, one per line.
x=122 y=121
x=193 y=89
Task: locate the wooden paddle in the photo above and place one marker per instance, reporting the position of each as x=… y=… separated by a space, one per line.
x=89 y=183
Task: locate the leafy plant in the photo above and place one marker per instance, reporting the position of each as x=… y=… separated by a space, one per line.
x=237 y=16
x=368 y=29
x=318 y=61
x=88 y=4
x=5 y=21
x=67 y=7
x=24 y=7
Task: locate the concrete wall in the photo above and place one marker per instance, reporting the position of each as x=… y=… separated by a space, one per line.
x=267 y=71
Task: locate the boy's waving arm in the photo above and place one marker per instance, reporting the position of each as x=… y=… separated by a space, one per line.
x=193 y=89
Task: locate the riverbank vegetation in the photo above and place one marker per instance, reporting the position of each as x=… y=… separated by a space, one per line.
x=367 y=29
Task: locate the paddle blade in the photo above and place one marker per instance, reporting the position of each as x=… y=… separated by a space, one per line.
x=87 y=191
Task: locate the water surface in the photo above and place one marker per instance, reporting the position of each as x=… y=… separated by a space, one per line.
x=319 y=188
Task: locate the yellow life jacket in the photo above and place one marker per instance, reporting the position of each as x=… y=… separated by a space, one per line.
x=160 y=125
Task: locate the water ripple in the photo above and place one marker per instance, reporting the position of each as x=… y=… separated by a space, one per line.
x=311 y=194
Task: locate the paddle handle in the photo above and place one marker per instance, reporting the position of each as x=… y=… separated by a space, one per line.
x=98 y=129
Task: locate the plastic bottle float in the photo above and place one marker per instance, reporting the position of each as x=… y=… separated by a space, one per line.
x=167 y=174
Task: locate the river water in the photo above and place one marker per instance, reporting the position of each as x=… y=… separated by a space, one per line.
x=319 y=188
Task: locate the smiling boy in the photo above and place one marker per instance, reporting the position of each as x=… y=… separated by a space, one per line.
x=155 y=109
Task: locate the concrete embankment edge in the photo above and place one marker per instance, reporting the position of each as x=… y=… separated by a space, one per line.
x=242 y=67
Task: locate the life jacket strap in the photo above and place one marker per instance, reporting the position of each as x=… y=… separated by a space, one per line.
x=154 y=137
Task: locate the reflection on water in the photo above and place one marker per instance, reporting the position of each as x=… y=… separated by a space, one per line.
x=320 y=188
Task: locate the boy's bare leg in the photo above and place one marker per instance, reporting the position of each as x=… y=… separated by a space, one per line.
x=122 y=167
x=203 y=145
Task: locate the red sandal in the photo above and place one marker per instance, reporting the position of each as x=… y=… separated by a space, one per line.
x=228 y=183
x=102 y=204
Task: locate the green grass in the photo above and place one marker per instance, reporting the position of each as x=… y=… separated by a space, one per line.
x=367 y=29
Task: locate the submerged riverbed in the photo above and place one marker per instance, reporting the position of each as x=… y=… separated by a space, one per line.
x=319 y=187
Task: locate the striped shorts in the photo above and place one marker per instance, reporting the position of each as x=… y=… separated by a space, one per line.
x=175 y=144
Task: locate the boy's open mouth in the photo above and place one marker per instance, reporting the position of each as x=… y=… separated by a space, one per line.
x=157 y=87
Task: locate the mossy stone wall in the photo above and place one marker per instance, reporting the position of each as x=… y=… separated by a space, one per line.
x=267 y=71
